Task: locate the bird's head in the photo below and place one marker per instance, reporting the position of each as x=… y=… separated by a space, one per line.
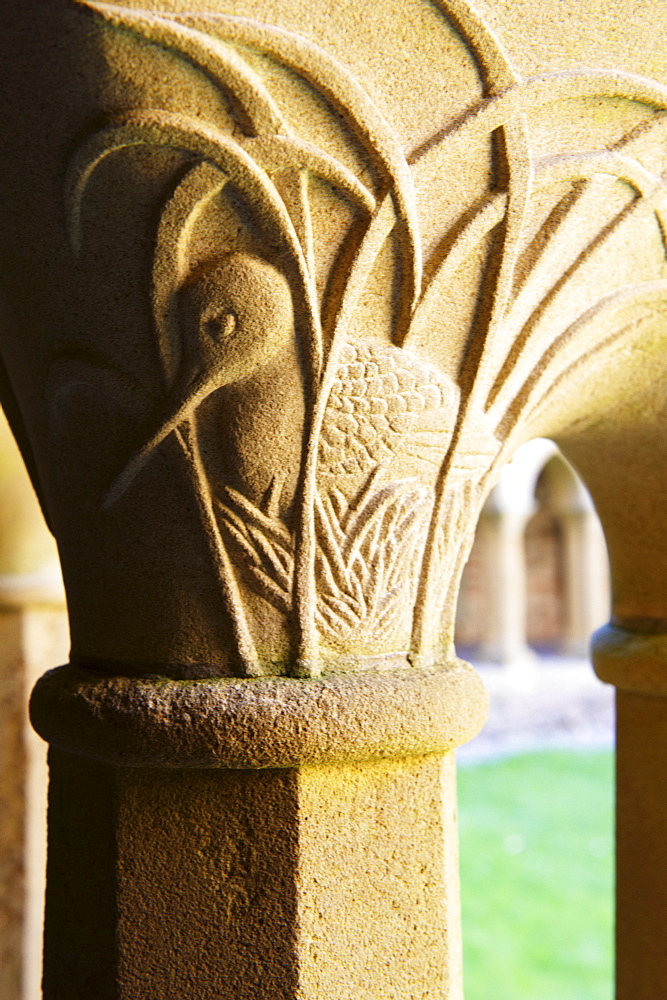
x=237 y=316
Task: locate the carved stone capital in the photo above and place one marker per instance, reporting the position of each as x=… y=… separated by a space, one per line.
x=280 y=312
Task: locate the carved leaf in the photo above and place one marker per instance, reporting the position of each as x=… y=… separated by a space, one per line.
x=375 y=410
x=367 y=552
x=365 y=583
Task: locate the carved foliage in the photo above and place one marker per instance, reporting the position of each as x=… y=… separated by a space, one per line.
x=400 y=435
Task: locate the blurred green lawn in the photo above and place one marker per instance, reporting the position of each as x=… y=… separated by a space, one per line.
x=537 y=876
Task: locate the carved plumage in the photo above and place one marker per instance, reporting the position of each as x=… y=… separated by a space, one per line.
x=384 y=400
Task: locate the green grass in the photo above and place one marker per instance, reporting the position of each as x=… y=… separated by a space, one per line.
x=537 y=876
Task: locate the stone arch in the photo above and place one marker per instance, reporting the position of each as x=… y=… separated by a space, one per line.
x=538 y=483
x=580 y=551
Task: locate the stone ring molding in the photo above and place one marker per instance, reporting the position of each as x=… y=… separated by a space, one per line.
x=269 y=722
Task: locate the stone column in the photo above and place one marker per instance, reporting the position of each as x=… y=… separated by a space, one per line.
x=507 y=510
x=636 y=663
x=283 y=287
x=586 y=587
x=33 y=636
x=587 y=595
x=505 y=558
x=274 y=838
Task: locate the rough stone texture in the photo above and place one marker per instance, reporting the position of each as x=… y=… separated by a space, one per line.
x=354 y=861
x=283 y=289
x=201 y=898
x=234 y=885
x=263 y=723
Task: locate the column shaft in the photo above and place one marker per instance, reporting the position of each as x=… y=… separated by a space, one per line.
x=326 y=882
x=12 y=808
x=31 y=639
x=506 y=578
x=636 y=663
x=641 y=847
x=587 y=596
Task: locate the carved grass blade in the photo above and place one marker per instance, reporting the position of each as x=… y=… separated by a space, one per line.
x=490 y=215
x=381 y=539
x=272 y=527
x=372 y=514
x=269 y=561
x=564 y=354
x=533 y=343
x=328 y=538
x=536 y=92
x=334 y=622
x=335 y=512
x=219 y=62
x=268 y=587
x=165 y=129
x=333 y=81
x=170 y=262
x=245 y=651
x=650 y=188
x=352 y=616
x=264 y=555
x=284 y=152
x=360 y=503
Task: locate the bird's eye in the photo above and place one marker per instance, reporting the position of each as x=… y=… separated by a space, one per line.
x=221 y=327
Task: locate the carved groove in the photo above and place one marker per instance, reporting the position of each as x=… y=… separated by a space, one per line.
x=396 y=456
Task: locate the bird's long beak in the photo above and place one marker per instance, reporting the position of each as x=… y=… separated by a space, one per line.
x=194 y=394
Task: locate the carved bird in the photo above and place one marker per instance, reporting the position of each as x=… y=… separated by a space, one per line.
x=237 y=317
x=384 y=402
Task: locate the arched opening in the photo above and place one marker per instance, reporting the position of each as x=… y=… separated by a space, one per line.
x=537 y=578
x=536 y=786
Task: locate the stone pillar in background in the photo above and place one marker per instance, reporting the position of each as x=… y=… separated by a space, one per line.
x=505 y=515
x=586 y=584
x=635 y=661
x=33 y=636
x=505 y=555
x=282 y=292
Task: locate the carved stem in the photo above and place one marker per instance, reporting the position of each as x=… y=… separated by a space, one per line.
x=178 y=416
x=246 y=654
x=305 y=593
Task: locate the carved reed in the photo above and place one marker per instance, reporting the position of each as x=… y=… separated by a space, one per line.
x=359 y=539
